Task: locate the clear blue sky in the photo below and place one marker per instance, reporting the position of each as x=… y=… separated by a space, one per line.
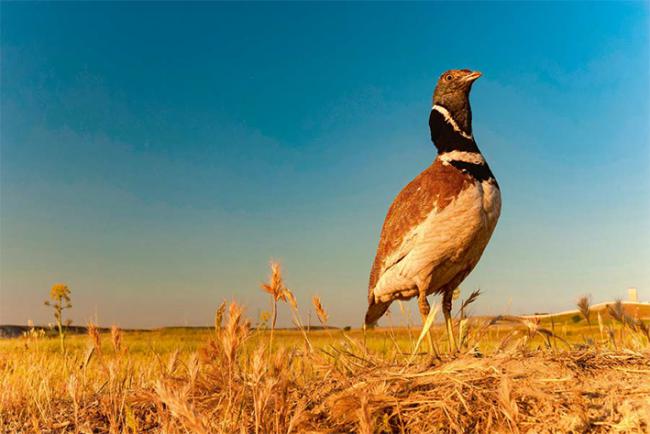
x=155 y=156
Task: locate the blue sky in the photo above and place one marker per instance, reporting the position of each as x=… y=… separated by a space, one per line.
x=155 y=156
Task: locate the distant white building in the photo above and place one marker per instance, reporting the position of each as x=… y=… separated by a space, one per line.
x=632 y=295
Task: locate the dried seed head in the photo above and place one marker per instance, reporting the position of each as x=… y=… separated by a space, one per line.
x=583 y=306
x=275 y=287
x=320 y=311
x=95 y=338
x=234 y=333
x=116 y=338
x=471 y=299
x=218 y=316
x=616 y=311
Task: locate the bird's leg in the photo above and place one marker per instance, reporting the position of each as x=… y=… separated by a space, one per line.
x=446 y=310
x=425 y=308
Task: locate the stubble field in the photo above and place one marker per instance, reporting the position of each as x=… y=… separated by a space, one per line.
x=513 y=374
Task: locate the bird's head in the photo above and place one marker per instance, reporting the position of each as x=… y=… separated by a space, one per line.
x=452 y=93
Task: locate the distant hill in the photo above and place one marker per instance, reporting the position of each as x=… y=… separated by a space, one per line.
x=631 y=308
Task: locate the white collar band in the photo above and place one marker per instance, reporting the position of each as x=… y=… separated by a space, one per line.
x=466 y=157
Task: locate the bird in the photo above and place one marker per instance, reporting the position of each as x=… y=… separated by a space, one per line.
x=438 y=226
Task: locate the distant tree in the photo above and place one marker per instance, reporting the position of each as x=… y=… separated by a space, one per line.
x=59 y=301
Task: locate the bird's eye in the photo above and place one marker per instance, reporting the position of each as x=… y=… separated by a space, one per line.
x=448 y=78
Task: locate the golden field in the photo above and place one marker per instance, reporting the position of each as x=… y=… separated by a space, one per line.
x=513 y=374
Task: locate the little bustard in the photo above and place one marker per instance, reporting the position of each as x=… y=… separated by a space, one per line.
x=440 y=223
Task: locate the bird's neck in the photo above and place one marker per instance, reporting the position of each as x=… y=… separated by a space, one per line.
x=456 y=147
x=449 y=135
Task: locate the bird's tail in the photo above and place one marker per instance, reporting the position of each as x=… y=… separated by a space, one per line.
x=375 y=311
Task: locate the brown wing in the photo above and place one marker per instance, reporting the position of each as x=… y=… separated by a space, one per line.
x=435 y=187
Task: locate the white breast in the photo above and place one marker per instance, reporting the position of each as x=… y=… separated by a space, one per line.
x=443 y=245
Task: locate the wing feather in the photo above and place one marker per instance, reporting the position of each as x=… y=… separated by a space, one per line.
x=434 y=188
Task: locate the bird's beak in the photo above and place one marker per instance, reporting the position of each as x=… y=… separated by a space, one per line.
x=472 y=76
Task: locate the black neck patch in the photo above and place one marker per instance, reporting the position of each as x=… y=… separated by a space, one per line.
x=446 y=138
x=480 y=172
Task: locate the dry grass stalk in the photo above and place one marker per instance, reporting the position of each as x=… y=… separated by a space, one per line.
x=601 y=326
x=295 y=316
x=508 y=405
x=218 y=316
x=235 y=332
x=193 y=368
x=366 y=423
x=533 y=328
x=239 y=385
x=320 y=311
x=617 y=311
x=291 y=299
x=471 y=299
x=176 y=400
x=116 y=338
x=643 y=327
x=235 y=387
x=95 y=338
x=584 y=308
x=276 y=288
x=73 y=391
x=462 y=332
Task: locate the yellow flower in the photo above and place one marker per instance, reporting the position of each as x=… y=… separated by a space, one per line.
x=60 y=291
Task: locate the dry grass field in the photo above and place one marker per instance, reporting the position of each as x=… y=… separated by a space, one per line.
x=512 y=375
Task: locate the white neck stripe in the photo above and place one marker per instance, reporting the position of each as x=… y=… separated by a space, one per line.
x=467 y=157
x=445 y=113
